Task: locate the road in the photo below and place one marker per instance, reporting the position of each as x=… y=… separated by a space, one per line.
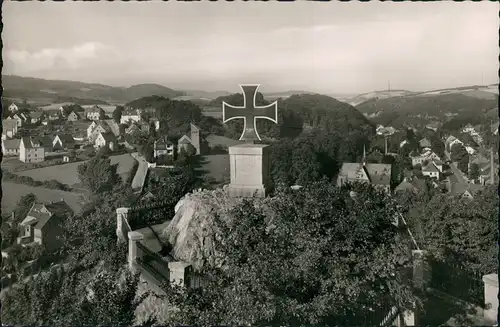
x=142 y=170
x=461 y=177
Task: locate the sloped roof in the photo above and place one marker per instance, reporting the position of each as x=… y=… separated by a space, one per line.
x=405 y=185
x=93 y=109
x=108 y=136
x=162 y=142
x=380 y=174
x=460 y=188
x=45 y=140
x=66 y=138
x=11 y=144
x=27 y=142
x=184 y=140
x=113 y=126
x=36 y=114
x=424 y=142
x=430 y=167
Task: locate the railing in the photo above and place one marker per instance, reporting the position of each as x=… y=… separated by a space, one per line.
x=455 y=281
x=153 y=263
x=391 y=316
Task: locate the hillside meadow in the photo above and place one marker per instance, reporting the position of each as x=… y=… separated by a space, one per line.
x=12 y=193
x=68 y=173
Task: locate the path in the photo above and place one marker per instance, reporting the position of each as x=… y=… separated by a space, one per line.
x=461 y=178
x=142 y=170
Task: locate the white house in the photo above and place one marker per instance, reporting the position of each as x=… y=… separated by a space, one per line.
x=450 y=142
x=30 y=150
x=106 y=139
x=163 y=146
x=36 y=116
x=130 y=116
x=430 y=170
x=95 y=128
x=403 y=143
x=10 y=147
x=470 y=150
x=9 y=128
x=13 y=108
x=94 y=113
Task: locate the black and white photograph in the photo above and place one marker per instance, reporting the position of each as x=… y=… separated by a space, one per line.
x=250 y=163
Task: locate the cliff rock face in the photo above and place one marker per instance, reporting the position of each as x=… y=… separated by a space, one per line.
x=193 y=230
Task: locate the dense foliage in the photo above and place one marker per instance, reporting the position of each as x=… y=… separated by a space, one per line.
x=26 y=180
x=345 y=259
x=98 y=174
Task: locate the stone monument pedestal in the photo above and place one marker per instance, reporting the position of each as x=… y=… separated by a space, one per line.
x=249 y=165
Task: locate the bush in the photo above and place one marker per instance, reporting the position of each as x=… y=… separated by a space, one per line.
x=26 y=180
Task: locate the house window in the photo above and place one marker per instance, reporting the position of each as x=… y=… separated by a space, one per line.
x=27 y=230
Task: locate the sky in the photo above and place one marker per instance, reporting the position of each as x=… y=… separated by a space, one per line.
x=335 y=47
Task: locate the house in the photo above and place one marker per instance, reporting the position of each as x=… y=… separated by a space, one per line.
x=450 y=142
x=53 y=115
x=95 y=128
x=463 y=190
x=193 y=139
x=94 y=113
x=432 y=126
x=105 y=139
x=403 y=143
x=418 y=159
x=45 y=121
x=430 y=170
x=20 y=118
x=488 y=171
x=46 y=141
x=405 y=186
x=438 y=164
x=13 y=108
x=132 y=129
x=10 y=147
x=68 y=158
x=130 y=116
x=424 y=143
x=379 y=175
x=73 y=116
x=36 y=116
x=30 y=150
x=44 y=224
x=63 y=142
x=9 y=128
x=163 y=146
x=469 y=129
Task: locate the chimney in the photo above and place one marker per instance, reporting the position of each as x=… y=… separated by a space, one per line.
x=385 y=145
x=363 y=160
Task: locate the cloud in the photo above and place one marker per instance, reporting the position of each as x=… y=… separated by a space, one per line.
x=74 y=57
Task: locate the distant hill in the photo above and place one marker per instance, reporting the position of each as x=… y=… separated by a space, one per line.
x=203 y=95
x=360 y=98
x=66 y=91
x=419 y=108
x=284 y=94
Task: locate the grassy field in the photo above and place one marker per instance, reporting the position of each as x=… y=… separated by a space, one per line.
x=12 y=192
x=217 y=167
x=68 y=173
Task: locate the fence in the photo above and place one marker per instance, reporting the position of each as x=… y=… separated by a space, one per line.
x=153 y=263
x=454 y=280
x=151 y=214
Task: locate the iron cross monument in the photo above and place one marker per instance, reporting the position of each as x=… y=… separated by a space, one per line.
x=250 y=112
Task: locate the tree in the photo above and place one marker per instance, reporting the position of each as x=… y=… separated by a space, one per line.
x=457 y=152
x=474 y=171
x=344 y=259
x=98 y=174
x=463 y=164
x=117 y=114
x=460 y=231
x=73 y=295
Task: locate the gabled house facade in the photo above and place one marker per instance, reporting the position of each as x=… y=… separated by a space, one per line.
x=94 y=113
x=106 y=139
x=13 y=108
x=430 y=170
x=379 y=175
x=9 y=129
x=73 y=116
x=96 y=128
x=63 y=142
x=11 y=147
x=44 y=224
x=30 y=150
x=163 y=146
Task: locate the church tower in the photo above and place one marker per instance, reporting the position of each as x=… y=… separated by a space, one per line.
x=195 y=138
